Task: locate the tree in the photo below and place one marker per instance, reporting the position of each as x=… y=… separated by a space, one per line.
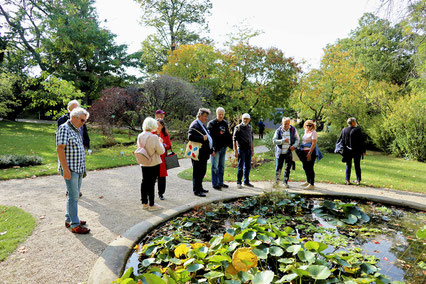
x=175 y=96
x=62 y=37
x=176 y=22
x=245 y=79
x=382 y=48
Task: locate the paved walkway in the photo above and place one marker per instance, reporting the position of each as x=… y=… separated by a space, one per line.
x=111 y=206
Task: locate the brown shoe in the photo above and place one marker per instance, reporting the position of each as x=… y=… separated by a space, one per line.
x=82 y=223
x=348 y=182
x=80 y=230
x=358 y=182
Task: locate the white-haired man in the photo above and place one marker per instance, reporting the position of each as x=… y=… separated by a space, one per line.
x=243 y=149
x=72 y=165
x=83 y=130
x=222 y=138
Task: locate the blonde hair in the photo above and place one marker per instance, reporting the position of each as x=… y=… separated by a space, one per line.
x=310 y=122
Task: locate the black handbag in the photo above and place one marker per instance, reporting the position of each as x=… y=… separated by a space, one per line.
x=171 y=161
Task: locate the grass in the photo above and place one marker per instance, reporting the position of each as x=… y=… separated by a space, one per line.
x=15 y=226
x=378 y=170
x=39 y=139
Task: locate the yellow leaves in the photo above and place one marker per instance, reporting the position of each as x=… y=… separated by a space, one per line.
x=351 y=270
x=197 y=245
x=227 y=238
x=182 y=250
x=244 y=259
x=231 y=270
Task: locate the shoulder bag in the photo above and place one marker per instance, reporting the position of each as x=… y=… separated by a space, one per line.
x=193 y=148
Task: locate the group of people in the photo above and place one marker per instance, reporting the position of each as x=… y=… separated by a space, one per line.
x=215 y=137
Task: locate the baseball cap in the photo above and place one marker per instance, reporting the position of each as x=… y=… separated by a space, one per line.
x=159 y=111
x=246 y=115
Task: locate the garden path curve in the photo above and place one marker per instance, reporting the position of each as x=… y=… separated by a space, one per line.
x=111 y=206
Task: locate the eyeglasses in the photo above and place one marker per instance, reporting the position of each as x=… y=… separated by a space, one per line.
x=309 y=125
x=82 y=120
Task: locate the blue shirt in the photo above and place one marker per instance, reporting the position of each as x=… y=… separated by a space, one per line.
x=69 y=136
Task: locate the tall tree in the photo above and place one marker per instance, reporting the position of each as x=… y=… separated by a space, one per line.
x=176 y=22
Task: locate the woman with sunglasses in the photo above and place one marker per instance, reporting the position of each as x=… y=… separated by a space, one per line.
x=310 y=152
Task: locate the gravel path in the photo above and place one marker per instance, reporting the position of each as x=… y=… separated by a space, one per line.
x=110 y=205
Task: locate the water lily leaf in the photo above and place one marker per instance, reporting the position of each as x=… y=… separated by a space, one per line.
x=231 y=269
x=261 y=221
x=213 y=274
x=219 y=258
x=249 y=235
x=351 y=270
x=329 y=204
x=261 y=253
x=311 y=245
x=244 y=276
x=128 y=281
x=264 y=277
x=227 y=238
x=364 y=217
x=319 y=272
x=188 y=224
x=153 y=279
x=288 y=278
x=175 y=261
x=181 y=250
x=286 y=260
x=231 y=232
x=294 y=249
x=368 y=268
x=264 y=238
x=148 y=261
x=276 y=251
x=351 y=219
x=243 y=259
x=194 y=267
x=307 y=256
x=421 y=234
x=188 y=262
x=341 y=261
x=300 y=272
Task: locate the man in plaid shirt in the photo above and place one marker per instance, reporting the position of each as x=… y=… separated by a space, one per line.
x=72 y=165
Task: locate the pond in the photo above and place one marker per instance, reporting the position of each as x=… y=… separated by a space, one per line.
x=360 y=240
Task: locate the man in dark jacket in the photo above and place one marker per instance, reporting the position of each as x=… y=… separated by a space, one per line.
x=198 y=133
x=83 y=130
x=222 y=139
x=243 y=149
x=352 y=141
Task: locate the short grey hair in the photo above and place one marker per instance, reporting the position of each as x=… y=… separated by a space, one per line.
x=71 y=103
x=78 y=111
x=220 y=109
x=285 y=119
x=202 y=111
x=149 y=124
x=351 y=120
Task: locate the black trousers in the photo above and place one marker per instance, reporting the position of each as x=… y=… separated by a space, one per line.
x=199 y=169
x=357 y=164
x=288 y=159
x=161 y=185
x=149 y=176
x=308 y=166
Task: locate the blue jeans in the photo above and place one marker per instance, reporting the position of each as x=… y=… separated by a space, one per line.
x=218 y=166
x=73 y=188
x=288 y=159
x=244 y=162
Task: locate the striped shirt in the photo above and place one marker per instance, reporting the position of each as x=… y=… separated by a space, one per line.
x=69 y=136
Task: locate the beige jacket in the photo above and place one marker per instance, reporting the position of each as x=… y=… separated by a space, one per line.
x=152 y=146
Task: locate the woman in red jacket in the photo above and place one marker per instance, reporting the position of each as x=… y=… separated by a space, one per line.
x=162 y=132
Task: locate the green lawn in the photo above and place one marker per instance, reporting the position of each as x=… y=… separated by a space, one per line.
x=39 y=139
x=378 y=170
x=15 y=226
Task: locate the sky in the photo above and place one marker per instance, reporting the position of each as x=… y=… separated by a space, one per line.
x=300 y=28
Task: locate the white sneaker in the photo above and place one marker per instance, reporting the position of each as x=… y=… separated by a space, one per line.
x=310 y=186
x=305 y=183
x=239 y=186
x=145 y=206
x=286 y=185
x=155 y=207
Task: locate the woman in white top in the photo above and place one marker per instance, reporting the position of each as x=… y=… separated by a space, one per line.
x=150 y=169
x=309 y=141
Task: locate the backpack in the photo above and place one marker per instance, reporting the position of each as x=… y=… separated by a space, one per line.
x=142 y=156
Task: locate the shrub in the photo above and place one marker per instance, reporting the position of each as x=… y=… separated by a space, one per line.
x=178 y=128
x=9 y=161
x=267 y=141
x=327 y=141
